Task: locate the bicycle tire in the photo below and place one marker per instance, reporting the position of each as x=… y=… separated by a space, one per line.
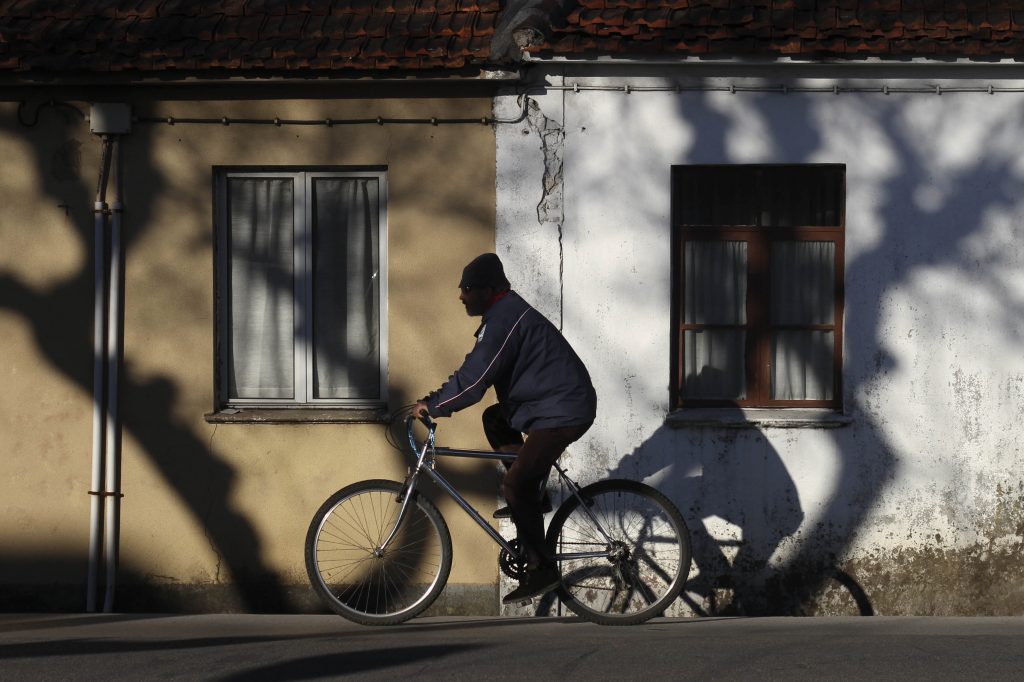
x=352 y=579
x=654 y=548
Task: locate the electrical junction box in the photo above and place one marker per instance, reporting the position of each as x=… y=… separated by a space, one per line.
x=110 y=118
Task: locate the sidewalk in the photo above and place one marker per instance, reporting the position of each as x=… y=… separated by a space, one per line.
x=268 y=647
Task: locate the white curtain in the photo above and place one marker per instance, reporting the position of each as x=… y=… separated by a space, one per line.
x=716 y=294
x=261 y=318
x=346 y=288
x=803 y=285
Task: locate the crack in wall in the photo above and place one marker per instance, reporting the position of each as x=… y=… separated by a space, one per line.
x=551 y=134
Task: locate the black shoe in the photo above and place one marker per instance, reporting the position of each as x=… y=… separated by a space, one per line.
x=506 y=513
x=536 y=582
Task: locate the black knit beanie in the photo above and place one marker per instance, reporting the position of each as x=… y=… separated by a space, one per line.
x=484 y=271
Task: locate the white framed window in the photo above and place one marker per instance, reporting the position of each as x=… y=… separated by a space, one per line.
x=302 y=287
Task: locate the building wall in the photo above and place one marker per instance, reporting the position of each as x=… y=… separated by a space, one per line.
x=215 y=515
x=917 y=505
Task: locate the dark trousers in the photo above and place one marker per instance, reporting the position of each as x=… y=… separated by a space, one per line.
x=527 y=475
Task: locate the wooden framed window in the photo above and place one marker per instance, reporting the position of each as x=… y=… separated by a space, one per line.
x=758 y=285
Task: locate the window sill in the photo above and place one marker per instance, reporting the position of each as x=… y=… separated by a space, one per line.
x=269 y=415
x=757 y=418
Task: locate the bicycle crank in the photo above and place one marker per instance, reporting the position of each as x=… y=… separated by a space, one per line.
x=514 y=566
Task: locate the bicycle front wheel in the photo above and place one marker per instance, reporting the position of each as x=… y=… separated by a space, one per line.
x=354 y=576
x=624 y=554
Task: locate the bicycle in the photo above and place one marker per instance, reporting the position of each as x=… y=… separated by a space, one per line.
x=379 y=552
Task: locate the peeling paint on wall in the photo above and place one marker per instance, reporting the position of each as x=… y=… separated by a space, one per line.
x=552 y=137
x=967 y=394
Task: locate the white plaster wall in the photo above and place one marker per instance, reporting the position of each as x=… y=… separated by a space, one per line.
x=530 y=247
x=933 y=376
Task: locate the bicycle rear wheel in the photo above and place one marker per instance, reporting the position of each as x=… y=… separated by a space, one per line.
x=363 y=584
x=639 y=572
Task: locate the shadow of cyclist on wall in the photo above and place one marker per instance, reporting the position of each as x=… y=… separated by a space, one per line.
x=738 y=499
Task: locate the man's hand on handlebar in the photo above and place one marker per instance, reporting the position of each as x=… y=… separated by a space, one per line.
x=419 y=410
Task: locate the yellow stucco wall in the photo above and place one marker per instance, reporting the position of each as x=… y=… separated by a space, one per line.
x=206 y=504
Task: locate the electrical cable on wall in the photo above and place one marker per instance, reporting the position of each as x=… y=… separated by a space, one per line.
x=330 y=122
x=34 y=120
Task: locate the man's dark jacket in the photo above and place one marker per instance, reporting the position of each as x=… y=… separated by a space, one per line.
x=540 y=381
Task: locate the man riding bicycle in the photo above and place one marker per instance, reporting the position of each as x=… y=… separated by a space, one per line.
x=543 y=390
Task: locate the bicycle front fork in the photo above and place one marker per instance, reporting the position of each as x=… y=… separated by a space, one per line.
x=404 y=497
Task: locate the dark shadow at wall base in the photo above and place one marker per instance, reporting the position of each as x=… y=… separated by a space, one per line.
x=146 y=598
x=456 y=600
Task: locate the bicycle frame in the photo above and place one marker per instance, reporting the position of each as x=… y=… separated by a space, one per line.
x=425 y=463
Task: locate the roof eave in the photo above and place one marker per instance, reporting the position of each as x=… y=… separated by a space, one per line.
x=471 y=76
x=711 y=61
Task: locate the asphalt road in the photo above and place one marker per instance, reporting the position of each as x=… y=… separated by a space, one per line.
x=262 y=647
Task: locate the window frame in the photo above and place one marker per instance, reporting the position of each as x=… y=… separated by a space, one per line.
x=758 y=343
x=303 y=350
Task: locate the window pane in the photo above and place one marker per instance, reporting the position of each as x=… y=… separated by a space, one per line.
x=716 y=283
x=802 y=365
x=261 y=317
x=717 y=195
x=803 y=282
x=714 y=364
x=794 y=196
x=346 y=288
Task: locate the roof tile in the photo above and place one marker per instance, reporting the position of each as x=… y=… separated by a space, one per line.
x=335 y=24
x=265 y=7
x=651 y=18
x=485 y=23
x=399 y=24
x=419 y=24
x=395 y=45
x=302 y=6
x=314 y=27
x=357 y=25
x=346 y=49
x=230 y=8
x=352 y=6
x=186 y=8
x=373 y=48
x=1001 y=20
x=239 y=27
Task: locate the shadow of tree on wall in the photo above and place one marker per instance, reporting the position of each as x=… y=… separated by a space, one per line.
x=61 y=319
x=867 y=455
x=764 y=504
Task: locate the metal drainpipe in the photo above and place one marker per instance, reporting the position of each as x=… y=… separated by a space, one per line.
x=112 y=456
x=99 y=374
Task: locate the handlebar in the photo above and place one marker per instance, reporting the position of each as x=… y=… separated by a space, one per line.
x=426 y=421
